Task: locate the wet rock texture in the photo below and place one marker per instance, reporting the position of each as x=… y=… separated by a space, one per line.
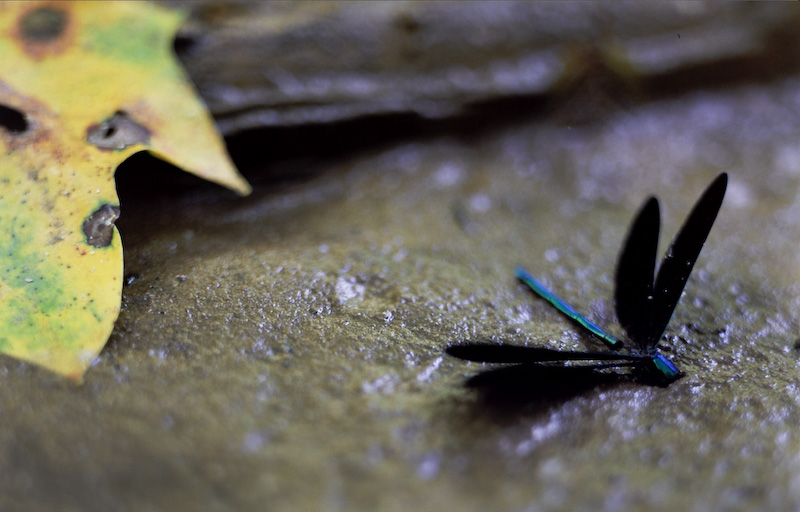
x=285 y=351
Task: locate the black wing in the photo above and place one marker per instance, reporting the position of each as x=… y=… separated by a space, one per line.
x=682 y=254
x=633 y=295
x=492 y=353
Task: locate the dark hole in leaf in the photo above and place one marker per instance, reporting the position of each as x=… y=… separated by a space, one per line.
x=99 y=226
x=184 y=44
x=12 y=120
x=43 y=24
x=117 y=132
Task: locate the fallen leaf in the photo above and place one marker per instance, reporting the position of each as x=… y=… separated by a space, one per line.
x=83 y=86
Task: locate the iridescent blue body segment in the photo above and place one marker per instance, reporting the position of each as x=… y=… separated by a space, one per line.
x=566 y=309
x=665 y=367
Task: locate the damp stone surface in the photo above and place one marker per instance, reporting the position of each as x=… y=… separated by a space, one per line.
x=285 y=351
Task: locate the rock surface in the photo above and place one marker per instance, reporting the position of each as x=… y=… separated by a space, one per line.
x=285 y=351
x=289 y=63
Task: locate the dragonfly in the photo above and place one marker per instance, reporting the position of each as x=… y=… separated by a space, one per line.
x=644 y=305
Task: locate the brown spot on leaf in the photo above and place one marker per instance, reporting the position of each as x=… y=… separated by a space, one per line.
x=117 y=132
x=43 y=25
x=45 y=30
x=99 y=226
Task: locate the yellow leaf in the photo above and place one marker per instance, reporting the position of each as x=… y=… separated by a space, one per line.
x=96 y=82
x=90 y=60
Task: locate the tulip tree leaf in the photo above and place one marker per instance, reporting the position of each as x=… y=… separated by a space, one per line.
x=83 y=86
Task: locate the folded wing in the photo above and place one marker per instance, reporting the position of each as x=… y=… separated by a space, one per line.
x=633 y=294
x=493 y=353
x=681 y=256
